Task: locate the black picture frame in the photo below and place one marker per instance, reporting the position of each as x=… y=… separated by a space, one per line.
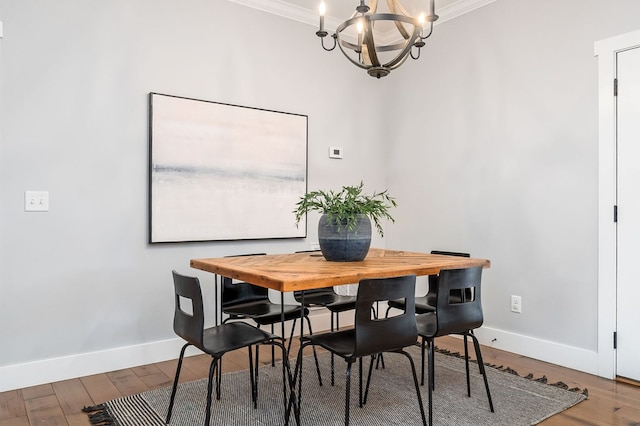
x=224 y=172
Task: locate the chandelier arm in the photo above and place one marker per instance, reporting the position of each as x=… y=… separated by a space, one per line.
x=395 y=7
x=402 y=56
x=430 y=32
x=398 y=62
x=415 y=57
x=401 y=8
x=402 y=30
x=334 y=37
x=385 y=48
x=371 y=45
x=342 y=43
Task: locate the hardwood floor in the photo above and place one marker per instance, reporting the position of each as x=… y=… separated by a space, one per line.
x=60 y=403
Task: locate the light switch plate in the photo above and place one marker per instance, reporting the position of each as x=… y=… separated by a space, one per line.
x=36 y=201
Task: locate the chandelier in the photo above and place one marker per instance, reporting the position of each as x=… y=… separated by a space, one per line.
x=384 y=40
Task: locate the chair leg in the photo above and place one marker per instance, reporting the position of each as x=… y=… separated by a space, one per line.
x=253 y=377
x=431 y=383
x=422 y=350
x=360 y=389
x=212 y=370
x=293 y=328
x=258 y=350
x=347 y=393
x=333 y=382
x=380 y=357
x=476 y=345
x=273 y=350
x=175 y=381
x=297 y=375
x=417 y=386
x=285 y=368
x=315 y=355
x=219 y=378
x=386 y=315
x=466 y=365
x=432 y=363
x=366 y=391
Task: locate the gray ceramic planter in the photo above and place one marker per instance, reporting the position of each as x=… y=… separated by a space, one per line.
x=343 y=245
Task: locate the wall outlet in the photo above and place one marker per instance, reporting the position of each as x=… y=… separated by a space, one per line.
x=516 y=304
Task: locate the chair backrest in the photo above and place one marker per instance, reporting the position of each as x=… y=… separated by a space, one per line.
x=328 y=291
x=459 y=306
x=236 y=293
x=375 y=335
x=433 y=279
x=188 y=321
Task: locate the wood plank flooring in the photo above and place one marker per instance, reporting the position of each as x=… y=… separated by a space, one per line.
x=60 y=403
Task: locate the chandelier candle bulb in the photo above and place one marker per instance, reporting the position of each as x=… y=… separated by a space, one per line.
x=323 y=10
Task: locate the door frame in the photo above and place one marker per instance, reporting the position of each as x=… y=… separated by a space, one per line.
x=606 y=51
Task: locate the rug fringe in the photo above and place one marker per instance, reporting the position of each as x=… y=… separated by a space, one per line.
x=92 y=408
x=509 y=370
x=98 y=415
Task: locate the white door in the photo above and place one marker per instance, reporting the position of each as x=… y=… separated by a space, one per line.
x=628 y=226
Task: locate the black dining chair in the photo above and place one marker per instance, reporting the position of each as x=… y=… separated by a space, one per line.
x=458 y=311
x=326 y=298
x=426 y=302
x=245 y=301
x=188 y=323
x=371 y=336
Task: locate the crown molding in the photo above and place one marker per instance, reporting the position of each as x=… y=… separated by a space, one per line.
x=459 y=8
x=282 y=8
x=307 y=16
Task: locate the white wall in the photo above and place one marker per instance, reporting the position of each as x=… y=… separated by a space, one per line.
x=80 y=284
x=496 y=153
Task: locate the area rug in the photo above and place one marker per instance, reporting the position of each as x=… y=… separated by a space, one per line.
x=392 y=399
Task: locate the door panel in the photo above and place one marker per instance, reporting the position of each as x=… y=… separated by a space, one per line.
x=628 y=227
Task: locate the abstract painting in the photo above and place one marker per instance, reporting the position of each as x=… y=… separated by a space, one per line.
x=224 y=172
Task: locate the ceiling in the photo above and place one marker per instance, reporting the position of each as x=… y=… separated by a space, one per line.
x=306 y=11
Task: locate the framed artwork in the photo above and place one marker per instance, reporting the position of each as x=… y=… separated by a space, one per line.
x=223 y=172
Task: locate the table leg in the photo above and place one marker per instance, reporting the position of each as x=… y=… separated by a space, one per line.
x=299 y=349
x=292 y=378
x=216 y=309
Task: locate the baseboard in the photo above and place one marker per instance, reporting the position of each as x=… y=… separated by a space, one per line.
x=543 y=350
x=51 y=370
x=63 y=368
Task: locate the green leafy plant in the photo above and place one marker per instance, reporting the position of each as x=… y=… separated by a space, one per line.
x=344 y=206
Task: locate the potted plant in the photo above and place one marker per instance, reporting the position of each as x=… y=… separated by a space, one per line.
x=344 y=229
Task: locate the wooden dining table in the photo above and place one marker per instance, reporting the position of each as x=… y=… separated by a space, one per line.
x=309 y=270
